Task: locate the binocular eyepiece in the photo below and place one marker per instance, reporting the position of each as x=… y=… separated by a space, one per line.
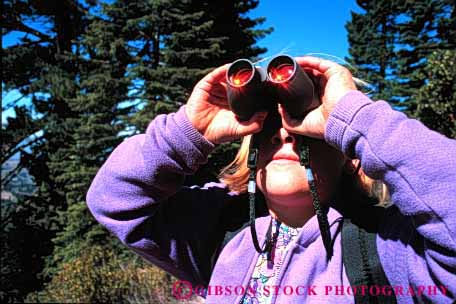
x=252 y=89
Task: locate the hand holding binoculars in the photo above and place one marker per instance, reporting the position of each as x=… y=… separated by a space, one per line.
x=252 y=89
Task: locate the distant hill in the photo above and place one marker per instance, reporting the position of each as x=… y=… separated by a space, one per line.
x=8 y=196
x=20 y=185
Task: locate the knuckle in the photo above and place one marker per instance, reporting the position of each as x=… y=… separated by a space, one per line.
x=345 y=72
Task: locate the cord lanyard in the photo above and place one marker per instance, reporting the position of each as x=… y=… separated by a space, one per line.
x=321 y=212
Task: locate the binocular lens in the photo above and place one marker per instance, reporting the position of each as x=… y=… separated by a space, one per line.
x=293 y=87
x=246 y=91
x=281 y=69
x=281 y=73
x=251 y=89
x=240 y=77
x=240 y=73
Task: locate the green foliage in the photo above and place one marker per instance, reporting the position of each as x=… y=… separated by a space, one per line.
x=25 y=241
x=371 y=39
x=184 y=40
x=67 y=130
x=436 y=101
x=102 y=88
x=79 y=235
x=422 y=28
x=37 y=68
x=95 y=72
x=391 y=43
x=100 y=276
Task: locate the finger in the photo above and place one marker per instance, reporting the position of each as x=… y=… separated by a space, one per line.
x=312 y=72
x=221 y=102
x=211 y=95
x=223 y=84
x=217 y=91
x=322 y=81
x=253 y=125
x=216 y=76
x=321 y=65
x=288 y=122
x=214 y=83
x=312 y=125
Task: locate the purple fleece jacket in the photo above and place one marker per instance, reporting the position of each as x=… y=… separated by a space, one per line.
x=138 y=195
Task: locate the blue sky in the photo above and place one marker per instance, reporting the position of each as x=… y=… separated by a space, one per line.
x=306 y=26
x=300 y=27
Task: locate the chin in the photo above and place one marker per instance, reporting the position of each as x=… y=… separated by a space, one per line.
x=284 y=182
x=288 y=197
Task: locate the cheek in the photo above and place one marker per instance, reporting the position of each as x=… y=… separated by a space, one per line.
x=281 y=180
x=327 y=164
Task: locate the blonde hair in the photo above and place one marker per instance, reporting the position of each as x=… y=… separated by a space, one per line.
x=373 y=187
x=236 y=174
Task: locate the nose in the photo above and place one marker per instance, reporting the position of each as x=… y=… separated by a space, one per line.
x=282 y=137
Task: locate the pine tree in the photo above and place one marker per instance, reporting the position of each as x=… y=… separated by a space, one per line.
x=424 y=27
x=147 y=52
x=37 y=67
x=436 y=100
x=85 y=70
x=391 y=43
x=25 y=239
x=193 y=38
x=371 y=39
x=101 y=102
x=139 y=52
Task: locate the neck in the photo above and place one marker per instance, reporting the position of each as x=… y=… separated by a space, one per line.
x=292 y=216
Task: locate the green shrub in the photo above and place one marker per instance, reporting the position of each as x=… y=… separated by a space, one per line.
x=99 y=275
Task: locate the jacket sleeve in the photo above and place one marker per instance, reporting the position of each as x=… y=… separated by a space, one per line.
x=418 y=166
x=138 y=195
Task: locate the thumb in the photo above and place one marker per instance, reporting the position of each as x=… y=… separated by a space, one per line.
x=253 y=125
x=312 y=125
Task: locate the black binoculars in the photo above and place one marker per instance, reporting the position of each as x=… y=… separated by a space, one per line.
x=252 y=89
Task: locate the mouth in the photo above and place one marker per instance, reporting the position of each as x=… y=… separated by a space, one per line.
x=286 y=157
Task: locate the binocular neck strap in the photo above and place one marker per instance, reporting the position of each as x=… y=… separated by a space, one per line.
x=321 y=212
x=251 y=189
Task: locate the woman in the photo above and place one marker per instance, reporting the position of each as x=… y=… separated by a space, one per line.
x=138 y=195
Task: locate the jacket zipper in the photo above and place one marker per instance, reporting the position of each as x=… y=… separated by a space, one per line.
x=277 y=275
x=282 y=266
